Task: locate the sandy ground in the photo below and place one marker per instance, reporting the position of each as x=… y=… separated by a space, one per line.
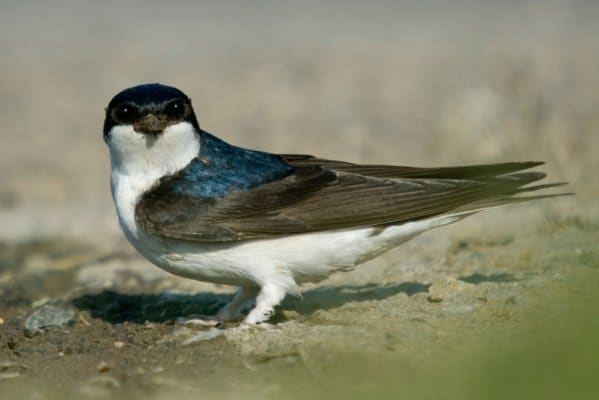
x=501 y=304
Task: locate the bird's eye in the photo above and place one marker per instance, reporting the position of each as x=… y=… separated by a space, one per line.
x=175 y=109
x=125 y=113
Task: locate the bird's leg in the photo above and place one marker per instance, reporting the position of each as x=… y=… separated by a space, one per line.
x=230 y=312
x=269 y=297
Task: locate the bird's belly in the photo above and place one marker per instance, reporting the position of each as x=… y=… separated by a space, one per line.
x=197 y=261
x=307 y=257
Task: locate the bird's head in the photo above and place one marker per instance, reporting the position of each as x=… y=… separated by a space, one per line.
x=150 y=123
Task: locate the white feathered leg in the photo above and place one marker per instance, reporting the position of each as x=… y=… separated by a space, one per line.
x=269 y=297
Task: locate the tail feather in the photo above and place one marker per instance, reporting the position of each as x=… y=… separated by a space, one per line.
x=541 y=187
x=502 y=201
x=510 y=186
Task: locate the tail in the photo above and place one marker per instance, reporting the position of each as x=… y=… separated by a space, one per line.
x=503 y=189
x=522 y=180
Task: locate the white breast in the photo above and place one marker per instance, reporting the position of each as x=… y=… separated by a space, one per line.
x=139 y=161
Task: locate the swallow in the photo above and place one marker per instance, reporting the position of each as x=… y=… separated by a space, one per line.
x=204 y=209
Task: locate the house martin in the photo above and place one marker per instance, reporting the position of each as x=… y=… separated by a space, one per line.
x=204 y=209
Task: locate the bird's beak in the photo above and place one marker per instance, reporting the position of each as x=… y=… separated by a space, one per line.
x=149 y=124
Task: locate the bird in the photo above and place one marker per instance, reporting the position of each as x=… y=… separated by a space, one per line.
x=201 y=208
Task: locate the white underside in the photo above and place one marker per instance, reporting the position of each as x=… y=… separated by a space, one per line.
x=299 y=258
x=279 y=263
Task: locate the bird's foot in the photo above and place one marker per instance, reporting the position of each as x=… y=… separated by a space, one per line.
x=230 y=312
x=269 y=297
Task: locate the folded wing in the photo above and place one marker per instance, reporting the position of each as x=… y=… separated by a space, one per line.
x=324 y=195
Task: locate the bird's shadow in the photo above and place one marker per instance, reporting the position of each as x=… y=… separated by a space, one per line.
x=115 y=307
x=330 y=297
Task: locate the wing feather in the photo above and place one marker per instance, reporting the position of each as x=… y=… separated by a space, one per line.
x=327 y=195
x=394 y=171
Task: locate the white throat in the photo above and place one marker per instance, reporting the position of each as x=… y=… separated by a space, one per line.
x=138 y=162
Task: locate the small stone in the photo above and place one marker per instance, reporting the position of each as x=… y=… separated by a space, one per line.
x=84 y=320
x=158 y=369
x=40 y=302
x=119 y=344
x=103 y=367
x=48 y=316
x=149 y=325
x=1 y=320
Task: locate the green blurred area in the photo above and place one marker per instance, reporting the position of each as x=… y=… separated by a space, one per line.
x=556 y=358
x=552 y=355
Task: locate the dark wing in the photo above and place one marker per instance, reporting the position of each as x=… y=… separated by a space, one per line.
x=328 y=195
x=395 y=171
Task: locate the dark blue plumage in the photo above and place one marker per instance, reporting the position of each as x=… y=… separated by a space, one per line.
x=147 y=93
x=221 y=169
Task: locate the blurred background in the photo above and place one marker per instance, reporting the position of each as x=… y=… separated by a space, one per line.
x=425 y=83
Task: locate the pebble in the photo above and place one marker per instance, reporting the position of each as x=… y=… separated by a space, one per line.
x=119 y=344
x=48 y=316
x=40 y=302
x=103 y=367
